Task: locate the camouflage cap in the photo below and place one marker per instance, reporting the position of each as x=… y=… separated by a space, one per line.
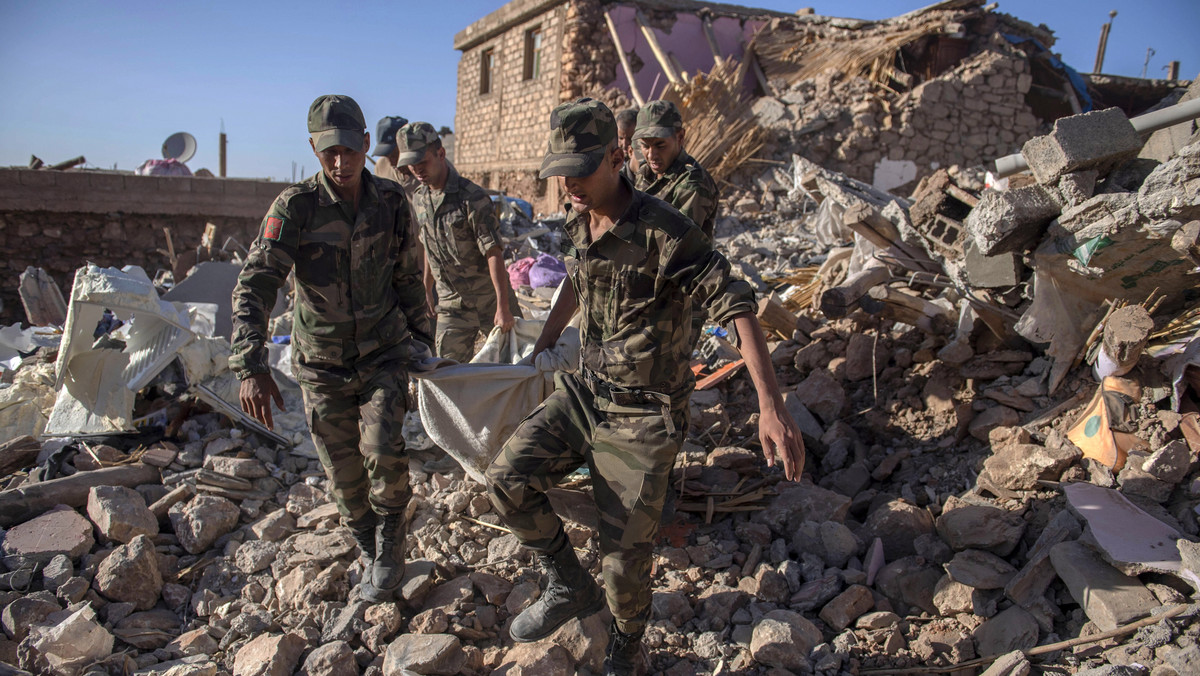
x=658 y=119
x=414 y=139
x=580 y=132
x=385 y=135
x=336 y=120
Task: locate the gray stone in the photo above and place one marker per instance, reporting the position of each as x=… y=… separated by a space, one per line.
x=274 y=526
x=804 y=419
x=244 y=468
x=1030 y=583
x=1100 y=140
x=992 y=272
x=990 y=418
x=943 y=642
x=897 y=524
x=980 y=569
x=910 y=581
x=1185 y=660
x=25 y=612
x=1170 y=463
x=815 y=593
x=784 y=639
x=865 y=357
x=1009 y=664
x=269 y=655
x=967 y=526
x=880 y=619
x=1011 y=629
x=1136 y=482
x=200 y=521
x=1108 y=597
x=1019 y=467
x=794 y=504
x=349 y=622
x=37 y=541
x=1077 y=187
x=1013 y=220
x=823 y=395
x=194 y=665
x=952 y=598
x=424 y=654
x=528 y=659
x=120 y=513
x=130 y=574
x=162 y=624
x=57 y=571
x=255 y=555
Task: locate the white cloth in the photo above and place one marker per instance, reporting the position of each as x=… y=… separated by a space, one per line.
x=470 y=410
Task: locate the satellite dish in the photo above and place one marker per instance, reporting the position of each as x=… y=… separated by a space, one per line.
x=180 y=146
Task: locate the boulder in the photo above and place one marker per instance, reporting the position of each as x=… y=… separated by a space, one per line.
x=269 y=655
x=897 y=524
x=130 y=574
x=425 y=654
x=200 y=521
x=120 y=513
x=968 y=526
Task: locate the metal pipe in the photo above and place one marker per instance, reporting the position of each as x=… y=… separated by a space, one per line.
x=1142 y=124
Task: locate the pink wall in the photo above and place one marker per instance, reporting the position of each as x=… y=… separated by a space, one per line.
x=686 y=42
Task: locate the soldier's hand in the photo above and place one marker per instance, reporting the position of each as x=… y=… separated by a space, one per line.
x=782 y=441
x=504 y=318
x=256 y=394
x=431 y=305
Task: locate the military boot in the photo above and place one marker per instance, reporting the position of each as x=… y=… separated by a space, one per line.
x=623 y=657
x=387 y=572
x=570 y=592
x=363 y=530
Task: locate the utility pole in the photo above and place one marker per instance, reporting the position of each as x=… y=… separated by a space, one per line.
x=1103 y=41
x=1146 y=66
x=222 y=149
x=1172 y=69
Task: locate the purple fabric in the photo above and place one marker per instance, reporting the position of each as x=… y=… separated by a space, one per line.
x=547 y=271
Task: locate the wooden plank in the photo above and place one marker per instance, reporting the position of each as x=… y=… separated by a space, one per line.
x=721 y=374
x=659 y=54
x=633 y=88
x=25 y=502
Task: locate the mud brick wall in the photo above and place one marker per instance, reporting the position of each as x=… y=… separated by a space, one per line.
x=501 y=135
x=61 y=221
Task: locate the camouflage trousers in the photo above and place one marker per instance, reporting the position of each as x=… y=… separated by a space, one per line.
x=629 y=455
x=458 y=327
x=356 y=423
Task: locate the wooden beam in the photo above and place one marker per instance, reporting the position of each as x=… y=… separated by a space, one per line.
x=659 y=53
x=711 y=37
x=633 y=88
x=25 y=502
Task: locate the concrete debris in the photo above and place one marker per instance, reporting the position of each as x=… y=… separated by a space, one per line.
x=938 y=333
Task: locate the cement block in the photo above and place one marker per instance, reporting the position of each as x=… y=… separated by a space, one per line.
x=1097 y=140
x=992 y=272
x=1012 y=220
x=1108 y=597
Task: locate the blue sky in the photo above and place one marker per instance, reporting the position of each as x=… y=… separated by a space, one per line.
x=111 y=80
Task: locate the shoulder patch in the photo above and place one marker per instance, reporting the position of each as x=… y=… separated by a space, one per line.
x=273 y=228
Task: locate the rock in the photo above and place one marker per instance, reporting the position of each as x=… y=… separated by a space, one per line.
x=58 y=571
x=673 y=606
x=25 y=612
x=493 y=588
x=796 y=503
x=1136 y=482
x=967 y=526
x=244 y=468
x=936 y=641
x=331 y=659
x=533 y=659
x=822 y=395
x=816 y=593
x=424 y=654
x=980 y=569
x=120 y=513
x=718 y=603
x=1011 y=629
x=1185 y=660
x=784 y=639
x=1020 y=466
x=451 y=595
x=130 y=574
x=1108 y=597
x=432 y=621
x=1009 y=664
x=386 y=615
x=194 y=642
x=585 y=640
x=897 y=524
x=255 y=555
x=197 y=665
x=952 y=598
x=72 y=644
x=200 y=521
x=147 y=630
x=35 y=542
x=1100 y=140
x=419 y=576
x=846 y=607
x=269 y=655
x=880 y=619
x=865 y=357
x=1170 y=463
x=734 y=458
x=991 y=418
x=274 y=526
x=1030 y=583
x=910 y=581
x=1012 y=220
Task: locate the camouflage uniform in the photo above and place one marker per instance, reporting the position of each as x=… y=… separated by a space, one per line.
x=458 y=227
x=359 y=301
x=687 y=187
x=625 y=413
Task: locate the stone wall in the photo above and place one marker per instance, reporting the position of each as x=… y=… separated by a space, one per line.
x=501 y=134
x=62 y=220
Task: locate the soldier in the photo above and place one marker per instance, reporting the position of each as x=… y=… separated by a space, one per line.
x=626 y=123
x=668 y=172
x=464 y=258
x=349 y=239
x=635 y=267
x=387 y=152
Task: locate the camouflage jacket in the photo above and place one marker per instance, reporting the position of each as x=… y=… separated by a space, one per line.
x=687 y=187
x=458 y=227
x=359 y=287
x=637 y=285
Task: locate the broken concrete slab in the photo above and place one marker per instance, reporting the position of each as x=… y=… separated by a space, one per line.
x=1108 y=597
x=1097 y=140
x=1013 y=220
x=43 y=300
x=1000 y=271
x=1125 y=535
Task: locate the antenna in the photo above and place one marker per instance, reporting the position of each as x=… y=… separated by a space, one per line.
x=1145 y=66
x=180 y=146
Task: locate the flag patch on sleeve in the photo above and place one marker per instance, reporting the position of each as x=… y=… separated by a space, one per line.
x=273 y=228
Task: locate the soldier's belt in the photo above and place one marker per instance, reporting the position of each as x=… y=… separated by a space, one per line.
x=628 y=396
